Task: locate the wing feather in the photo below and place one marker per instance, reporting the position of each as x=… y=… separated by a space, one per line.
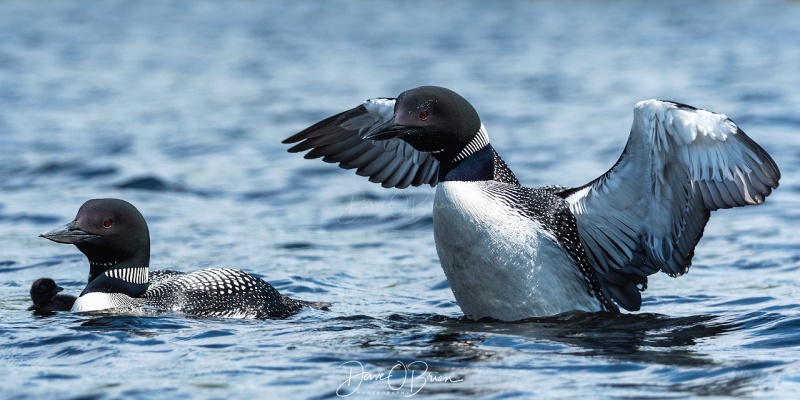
x=648 y=212
x=392 y=163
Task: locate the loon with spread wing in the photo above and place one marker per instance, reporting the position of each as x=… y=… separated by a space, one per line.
x=511 y=252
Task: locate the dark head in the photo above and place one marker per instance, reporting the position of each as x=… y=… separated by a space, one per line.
x=109 y=232
x=43 y=290
x=433 y=120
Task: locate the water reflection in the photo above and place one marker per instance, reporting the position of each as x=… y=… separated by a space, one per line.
x=638 y=338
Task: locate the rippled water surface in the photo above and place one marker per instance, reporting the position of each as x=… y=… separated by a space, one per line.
x=180 y=106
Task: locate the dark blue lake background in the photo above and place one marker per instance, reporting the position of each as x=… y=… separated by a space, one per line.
x=180 y=106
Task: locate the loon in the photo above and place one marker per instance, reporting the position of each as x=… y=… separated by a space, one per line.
x=46 y=297
x=512 y=252
x=113 y=235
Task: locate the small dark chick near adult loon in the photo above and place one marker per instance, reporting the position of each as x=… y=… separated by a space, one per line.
x=512 y=252
x=114 y=236
x=46 y=296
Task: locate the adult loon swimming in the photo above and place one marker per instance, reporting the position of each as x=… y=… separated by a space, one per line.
x=46 y=296
x=114 y=237
x=512 y=252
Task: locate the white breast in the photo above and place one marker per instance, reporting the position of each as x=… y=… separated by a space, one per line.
x=96 y=301
x=501 y=264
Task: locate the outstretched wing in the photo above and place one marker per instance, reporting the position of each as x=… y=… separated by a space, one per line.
x=392 y=163
x=648 y=212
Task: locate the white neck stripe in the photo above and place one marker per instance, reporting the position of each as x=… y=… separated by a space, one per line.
x=480 y=140
x=132 y=275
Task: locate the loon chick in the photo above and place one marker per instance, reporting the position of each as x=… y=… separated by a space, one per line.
x=114 y=237
x=512 y=252
x=46 y=297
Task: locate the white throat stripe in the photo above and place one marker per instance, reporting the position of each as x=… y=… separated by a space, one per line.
x=480 y=140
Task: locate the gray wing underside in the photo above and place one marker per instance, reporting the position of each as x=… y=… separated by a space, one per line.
x=648 y=212
x=392 y=163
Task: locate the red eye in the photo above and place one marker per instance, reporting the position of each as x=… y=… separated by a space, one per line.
x=423 y=115
x=107 y=223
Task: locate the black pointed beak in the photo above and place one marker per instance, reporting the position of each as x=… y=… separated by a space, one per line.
x=69 y=234
x=384 y=131
x=59 y=289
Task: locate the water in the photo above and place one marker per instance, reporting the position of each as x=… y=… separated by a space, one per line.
x=179 y=107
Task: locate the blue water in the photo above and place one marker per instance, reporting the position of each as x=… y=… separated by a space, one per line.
x=180 y=106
